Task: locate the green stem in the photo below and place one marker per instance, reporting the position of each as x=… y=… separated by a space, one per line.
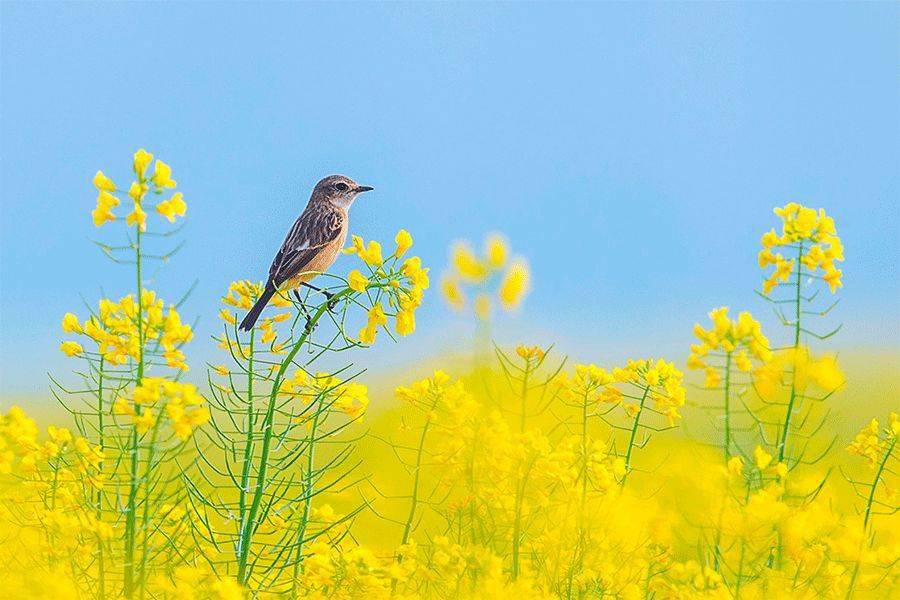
x=524 y=394
x=869 y=501
x=308 y=495
x=134 y=446
x=145 y=519
x=248 y=445
x=249 y=527
x=101 y=565
x=578 y=552
x=785 y=431
x=517 y=522
x=414 y=498
x=727 y=406
x=634 y=428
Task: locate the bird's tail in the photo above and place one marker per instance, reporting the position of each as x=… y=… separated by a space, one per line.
x=252 y=316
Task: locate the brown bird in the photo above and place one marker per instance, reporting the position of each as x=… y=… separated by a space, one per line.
x=312 y=244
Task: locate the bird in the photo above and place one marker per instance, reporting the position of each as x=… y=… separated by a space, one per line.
x=312 y=244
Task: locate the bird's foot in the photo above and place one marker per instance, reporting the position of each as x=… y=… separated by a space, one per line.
x=310 y=326
x=332 y=301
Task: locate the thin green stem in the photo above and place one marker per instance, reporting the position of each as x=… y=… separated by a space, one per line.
x=524 y=394
x=869 y=501
x=517 y=521
x=249 y=526
x=727 y=406
x=785 y=431
x=248 y=446
x=134 y=445
x=414 y=497
x=634 y=428
x=101 y=564
x=307 y=494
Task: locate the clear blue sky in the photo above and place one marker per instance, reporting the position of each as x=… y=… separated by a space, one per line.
x=632 y=152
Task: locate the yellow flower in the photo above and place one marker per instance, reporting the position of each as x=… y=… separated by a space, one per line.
x=769 y=239
x=406 y=322
x=137 y=217
x=515 y=285
x=137 y=191
x=404 y=242
x=631 y=409
x=694 y=362
x=103 y=212
x=71 y=348
x=467 y=264
x=174 y=206
x=370 y=254
x=412 y=268
x=70 y=324
x=452 y=293
x=783 y=270
x=530 y=352
x=221 y=370
x=142 y=160
x=101 y=215
x=713 y=379
x=162 y=175
x=496 y=251
x=357 y=281
x=352 y=400
x=144 y=421
x=781 y=470
x=103 y=183
x=761 y=457
x=376 y=317
x=833 y=279
x=735 y=466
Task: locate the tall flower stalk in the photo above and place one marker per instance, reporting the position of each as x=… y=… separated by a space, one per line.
x=142 y=420
x=268 y=455
x=810 y=239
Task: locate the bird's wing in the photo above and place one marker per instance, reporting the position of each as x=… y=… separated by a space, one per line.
x=314 y=229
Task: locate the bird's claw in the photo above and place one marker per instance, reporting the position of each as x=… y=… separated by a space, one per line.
x=310 y=326
x=332 y=301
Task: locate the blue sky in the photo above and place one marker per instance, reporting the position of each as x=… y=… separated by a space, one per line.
x=633 y=153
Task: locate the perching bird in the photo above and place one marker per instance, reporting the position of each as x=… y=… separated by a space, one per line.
x=313 y=243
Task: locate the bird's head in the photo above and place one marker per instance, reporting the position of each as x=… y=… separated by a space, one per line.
x=338 y=190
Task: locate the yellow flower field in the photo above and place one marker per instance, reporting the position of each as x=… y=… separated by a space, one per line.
x=516 y=474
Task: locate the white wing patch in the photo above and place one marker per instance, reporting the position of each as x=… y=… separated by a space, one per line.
x=302 y=246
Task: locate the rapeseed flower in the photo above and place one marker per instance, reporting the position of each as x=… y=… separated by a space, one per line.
x=490 y=276
x=812 y=236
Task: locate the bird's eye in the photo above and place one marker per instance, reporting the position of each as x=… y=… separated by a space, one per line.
x=341 y=186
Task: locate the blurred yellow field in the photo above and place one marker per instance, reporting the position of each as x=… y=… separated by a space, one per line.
x=758 y=464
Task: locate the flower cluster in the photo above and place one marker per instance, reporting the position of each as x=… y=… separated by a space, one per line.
x=402 y=284
x=180 y=402
x=348 y=397
x=663 y=383
x=119 y=328
x=20 y=449
x=873 y=441
x=799 y=367
x=493 y=273
x=158 y=182
x=241 y=296
x=438 y=395
x=742 y=338
x=813 y=236
x=655 y=380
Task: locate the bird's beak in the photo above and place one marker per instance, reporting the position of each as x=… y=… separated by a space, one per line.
x=364 y=188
